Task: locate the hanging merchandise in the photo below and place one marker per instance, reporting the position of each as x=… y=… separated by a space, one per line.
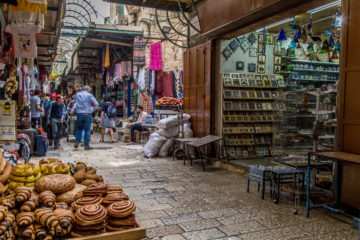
x=139 y=51
x=141 y=78
x=24 y=39
x=310 y=27
x=304 y=36
x=118 y=75
x=178 y=79
x=11 y=2
x=107 y=56
x=156 y=57
x=282 y=35
x=30 y=6
x=298 y=36
x=27 y=17
x=331 y=41
x=337 y=19
x=168 y=84
x=337 y=46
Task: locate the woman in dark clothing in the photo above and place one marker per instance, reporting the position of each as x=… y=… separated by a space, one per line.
x=107 y=121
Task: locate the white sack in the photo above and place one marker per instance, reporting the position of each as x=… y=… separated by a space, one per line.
x=153 y=146
x=188 y=133
x=170 y=132
x=171 y=121
x=164 y=150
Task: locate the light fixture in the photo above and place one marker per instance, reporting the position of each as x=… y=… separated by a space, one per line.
x=275 y=24
x=166 y=29
x=326 y=6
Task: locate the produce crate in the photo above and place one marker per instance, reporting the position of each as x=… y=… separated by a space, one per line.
x=131 y=234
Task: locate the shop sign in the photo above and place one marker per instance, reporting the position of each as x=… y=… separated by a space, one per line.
x=7 y=120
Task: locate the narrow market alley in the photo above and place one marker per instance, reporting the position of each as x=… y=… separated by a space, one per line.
x=183 y=202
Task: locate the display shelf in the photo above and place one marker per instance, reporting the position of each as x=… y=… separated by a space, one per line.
x=314 y=70
x=315 y=62
x=241 y=87
x=312 y=80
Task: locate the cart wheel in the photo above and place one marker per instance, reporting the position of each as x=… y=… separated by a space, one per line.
x=179 y=153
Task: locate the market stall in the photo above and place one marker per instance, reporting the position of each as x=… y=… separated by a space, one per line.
x=54 y=200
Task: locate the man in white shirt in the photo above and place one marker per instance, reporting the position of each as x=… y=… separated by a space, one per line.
x=137 y=124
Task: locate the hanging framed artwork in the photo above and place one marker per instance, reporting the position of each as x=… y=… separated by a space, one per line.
x=252 y=52
x=261 y=48
x=261 y=59
x=269 y=40
x=261 y=38
x=277 y=68
x=277 y=60
x=234 y=45
x=240 y=65
x=251 y=67
x=261 y=68
x=245 y=45
x=227 y=53
x=240 y=39
x=251 y=38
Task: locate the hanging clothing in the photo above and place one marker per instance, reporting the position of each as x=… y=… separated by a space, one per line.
x=146 y=102
x=168 y=84
x=156 y=57
x=159 y=87
x=17 y=17
x=141 y=79
x=24 y=39
x=118 y=74
x=139 y=51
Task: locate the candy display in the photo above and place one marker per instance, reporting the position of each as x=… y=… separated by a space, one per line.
x=169 y=101
x=56 y=207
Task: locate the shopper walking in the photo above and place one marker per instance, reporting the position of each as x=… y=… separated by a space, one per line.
x=36 y=109
x=57 y=114
x=85 y=105
x=108 y=115
x=137 y=124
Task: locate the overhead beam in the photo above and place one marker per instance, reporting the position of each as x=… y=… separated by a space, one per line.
x=110 y=42
x=117 y=30
x=161 y=5
x=49 y=8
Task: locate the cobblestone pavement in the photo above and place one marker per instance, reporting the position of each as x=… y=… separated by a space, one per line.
x=183 y=202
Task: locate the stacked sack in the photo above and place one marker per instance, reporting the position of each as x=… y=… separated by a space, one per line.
x=160 y=142
x=5 y=170
x=53 y=166
x=23 y=175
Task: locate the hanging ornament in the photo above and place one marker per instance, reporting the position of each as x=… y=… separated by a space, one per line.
x=282 y=35
x=328 y=32
x=325 y=46
x=297 y=36
x=292 y=44
x=337 y=19
x=310 y=47
x=310 y=27
x=304 y=36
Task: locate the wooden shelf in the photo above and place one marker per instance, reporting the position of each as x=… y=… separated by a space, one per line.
x=315 y=62
x=315 y=70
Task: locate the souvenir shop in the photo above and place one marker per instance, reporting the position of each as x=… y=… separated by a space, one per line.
x=21 y=71
x=279 y=85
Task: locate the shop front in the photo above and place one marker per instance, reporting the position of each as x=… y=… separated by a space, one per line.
x=278 y=82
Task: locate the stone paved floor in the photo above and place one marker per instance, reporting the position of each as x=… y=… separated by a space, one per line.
x=182 y=202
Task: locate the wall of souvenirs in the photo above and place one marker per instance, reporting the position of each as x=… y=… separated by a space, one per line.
x=279 y=87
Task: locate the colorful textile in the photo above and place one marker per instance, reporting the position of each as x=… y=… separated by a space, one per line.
x=168 y=84
x=118 y=74
x=24 y=39
x=156 y=57
x=28 y=6
x=139 y=51
x=146 y=102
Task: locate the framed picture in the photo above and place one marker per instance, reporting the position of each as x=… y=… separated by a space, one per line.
x=252 y=94
x=266 y=94
x=242 y=75
x=272 y=77
x=251 y=38
x=228 y=105
x=265 y=77
x=227 y=53
x=261 y=59
x=234 y=75
x=236 y=82
x=244 y=83
x=240 y=66
x=277 y=60
x=277 y=68
x=227 y=75
x=267 y=83
x=258 y=77
x=236 y=106
x=251 y=107
x=228 y=82
x=259 y=106
x=236 y=94
x=259 y=83
x=244 y=94
x=261 y=68
x=234 y=44
x=261 y=48
x=251 y=83
x=228 y=94
x=252 y=52
x=245 y=45
x=281 y=83
x=252 y=67
x=269 y=40
x=259 y=94
x=244 y=106
x=250 y=76
x=261 y=39
x=240 y=38
x=274 y=83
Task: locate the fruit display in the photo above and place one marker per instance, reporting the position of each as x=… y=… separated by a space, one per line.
x=53 y=166
x=86 y=175
x=57 y=207
x=169 y=101
x=23 y=175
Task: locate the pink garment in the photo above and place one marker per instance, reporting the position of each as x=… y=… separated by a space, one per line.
x=118 y=73
x=156 y=57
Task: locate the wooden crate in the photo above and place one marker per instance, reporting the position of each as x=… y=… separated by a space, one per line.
x=131 y=234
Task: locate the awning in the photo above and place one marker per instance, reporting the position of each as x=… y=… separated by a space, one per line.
x=172 y=5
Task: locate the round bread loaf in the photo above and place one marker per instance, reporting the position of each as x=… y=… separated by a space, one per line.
x=72 y=195
x=121 y=209
x=90 y=215
x=56 y=183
